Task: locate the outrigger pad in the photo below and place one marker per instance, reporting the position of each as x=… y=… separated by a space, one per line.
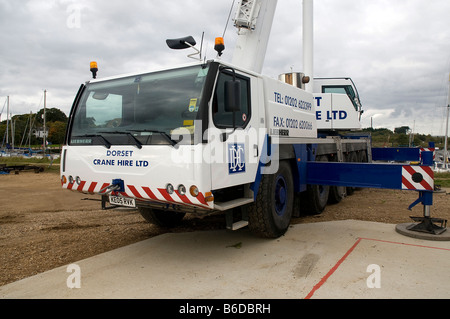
x=427 y=225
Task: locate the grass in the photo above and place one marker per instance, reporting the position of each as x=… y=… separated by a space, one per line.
x=442 y=179
x=43 y=162
x=442 y=175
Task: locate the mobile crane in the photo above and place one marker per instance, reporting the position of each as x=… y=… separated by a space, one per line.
x=213 y=136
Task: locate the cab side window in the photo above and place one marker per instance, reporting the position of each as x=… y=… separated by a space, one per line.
x=342 y=90
x=223 y=119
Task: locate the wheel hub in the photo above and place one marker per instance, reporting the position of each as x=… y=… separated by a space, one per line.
x=280 y=196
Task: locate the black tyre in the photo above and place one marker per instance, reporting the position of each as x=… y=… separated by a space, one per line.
x=160 y=217
x=351 y=157
x=337 y=193
x=270 y=215
x=362 y=158
x=315 y=199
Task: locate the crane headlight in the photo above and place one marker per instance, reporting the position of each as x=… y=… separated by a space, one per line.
x=182 y=190
x=193 y=190
x=170 y=189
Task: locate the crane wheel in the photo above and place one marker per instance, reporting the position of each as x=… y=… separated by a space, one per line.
x=270 y=215
x=351 y=157
x=315 y=199
x=337 y=193
x=160 y=217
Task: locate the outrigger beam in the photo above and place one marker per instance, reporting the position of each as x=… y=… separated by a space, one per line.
x=418 y=178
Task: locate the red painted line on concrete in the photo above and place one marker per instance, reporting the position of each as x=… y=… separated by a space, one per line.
x=332 y=270
x=398 y=243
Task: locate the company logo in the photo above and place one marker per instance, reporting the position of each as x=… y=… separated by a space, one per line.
x=236 y=158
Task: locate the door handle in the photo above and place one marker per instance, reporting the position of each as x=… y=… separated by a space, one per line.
x=255 y=150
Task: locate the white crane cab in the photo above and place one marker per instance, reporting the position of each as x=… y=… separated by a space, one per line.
x=213 y=136
x=338 y=106
x=182 y=139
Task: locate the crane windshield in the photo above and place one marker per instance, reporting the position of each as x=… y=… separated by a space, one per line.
x=139 y=110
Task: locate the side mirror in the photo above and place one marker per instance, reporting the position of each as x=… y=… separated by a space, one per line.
x=232 y=96
x=181 y=43
x=185 y=43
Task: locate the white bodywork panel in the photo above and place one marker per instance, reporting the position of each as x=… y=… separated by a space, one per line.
x=278 y=110
x=336 y=112
x=235 y=161
x=290 y=110
x=145 y=172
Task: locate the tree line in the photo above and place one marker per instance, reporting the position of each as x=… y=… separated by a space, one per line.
x=402 y=137
x=56 y=123
x=25 y=128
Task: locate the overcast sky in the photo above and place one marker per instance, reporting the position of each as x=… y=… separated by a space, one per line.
x=396 y=51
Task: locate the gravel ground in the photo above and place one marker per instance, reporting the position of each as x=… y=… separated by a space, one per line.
x=43 y=226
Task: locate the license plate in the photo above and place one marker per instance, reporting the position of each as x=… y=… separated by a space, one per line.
x=122 y=201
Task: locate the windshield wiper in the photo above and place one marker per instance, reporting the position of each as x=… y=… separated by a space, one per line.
x=167 y=136
x=107 y=143
x=138 y=143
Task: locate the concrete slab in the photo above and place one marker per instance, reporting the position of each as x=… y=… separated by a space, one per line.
x=344 y=259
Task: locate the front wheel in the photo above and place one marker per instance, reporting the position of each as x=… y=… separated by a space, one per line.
x=270 y=215
x=160 y=217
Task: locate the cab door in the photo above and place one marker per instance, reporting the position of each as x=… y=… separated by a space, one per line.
x=234 y=135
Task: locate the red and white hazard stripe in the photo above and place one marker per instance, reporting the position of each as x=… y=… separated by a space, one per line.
x=144 y=193
x=428 y=150
x=417 y=178
x=92 y=188
x=161 y=195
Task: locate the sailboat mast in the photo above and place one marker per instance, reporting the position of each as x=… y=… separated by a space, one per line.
x=7 y=120
x=446 y=128
x=45 y=130
x=31 y=128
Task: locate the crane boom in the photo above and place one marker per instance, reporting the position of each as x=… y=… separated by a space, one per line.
x=308 y=42
x=254 y=22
